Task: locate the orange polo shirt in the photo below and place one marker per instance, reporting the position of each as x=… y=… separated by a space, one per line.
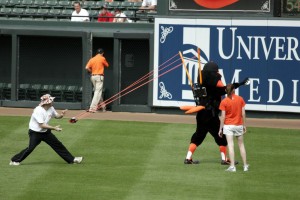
x=96 y=65
x=233 y=110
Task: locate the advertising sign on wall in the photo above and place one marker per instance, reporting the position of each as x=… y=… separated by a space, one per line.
x=220 y=5
x=266 y=51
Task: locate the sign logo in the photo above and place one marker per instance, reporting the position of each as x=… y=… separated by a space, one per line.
x=261 y=50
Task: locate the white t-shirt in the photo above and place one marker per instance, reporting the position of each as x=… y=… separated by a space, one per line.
x=83 y=13
x=40 y=115
x=149 y=3
x=120 y=19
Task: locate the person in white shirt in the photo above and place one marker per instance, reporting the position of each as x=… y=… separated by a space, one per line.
x=119 y=16
x=149 y=5
x=40 y=130
x=79 y=14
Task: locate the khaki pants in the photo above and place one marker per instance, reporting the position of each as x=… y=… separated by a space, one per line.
x=98 y=86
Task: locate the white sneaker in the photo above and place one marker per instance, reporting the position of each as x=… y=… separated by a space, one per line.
x=231 y=169
x=77 y=160
x=246 y=168
x=14 y=163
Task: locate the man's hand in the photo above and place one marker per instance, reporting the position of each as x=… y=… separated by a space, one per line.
x=61 y=115
x=57 y=128
x=63 y=112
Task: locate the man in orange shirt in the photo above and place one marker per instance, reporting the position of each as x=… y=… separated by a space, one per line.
x=232 y=123
x=96 y=67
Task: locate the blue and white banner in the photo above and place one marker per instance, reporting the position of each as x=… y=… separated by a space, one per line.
x=266 y=51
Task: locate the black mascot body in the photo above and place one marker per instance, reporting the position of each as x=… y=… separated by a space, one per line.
x=209 y=94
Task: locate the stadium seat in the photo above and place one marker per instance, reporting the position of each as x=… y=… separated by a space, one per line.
x=44 y=89
x=38 y=4
x=30 y=12
x=33 y=92
x=113 y=5
x=57 y=92
x=94 y=14
x=12 y=3
x=3 y=3
x=2 y=86
x=98 y=5
x=22 y=91
x=88 y=4
x=50 y=4
x=54 y=12
x=66 y=14
x=78 y=94
x=25 y=3
x=69 y=93
x=7 y=91
x=129 y=13
x=5 y=12
x=42 y=13
x=126 y=5
x=137 y=5
x=65 y=4
x=17 y=12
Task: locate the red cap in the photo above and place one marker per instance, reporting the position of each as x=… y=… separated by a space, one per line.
x=214 y=4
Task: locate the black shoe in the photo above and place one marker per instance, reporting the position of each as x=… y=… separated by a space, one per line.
x=227 y=162
x=187 y=161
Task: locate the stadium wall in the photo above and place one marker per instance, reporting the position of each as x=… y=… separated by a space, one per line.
x=55 y=53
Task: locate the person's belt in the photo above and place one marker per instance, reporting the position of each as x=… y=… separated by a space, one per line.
x=97 y=74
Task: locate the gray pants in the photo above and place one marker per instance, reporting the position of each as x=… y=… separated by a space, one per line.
x=97 y=81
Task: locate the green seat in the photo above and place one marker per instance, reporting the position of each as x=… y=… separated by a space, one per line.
x=7 y=91
x=69 y=93
x=25 y=3
x=54 y=12
x=5 y=11
x=67 y=12
x=126 y=5
x=78 y=94
x=17 y=12
x=113 y=5
x=2 y=86
x=129 y=13
x=137 y=5
x=38 y=4
x=57 y=92
x=45 y=89
x=88 y=4
x=33 y=92
x=50 y=4
x=12 y=3
x=98 y=5
x=31 y=12
x=22 y=91
x=42 y=12
x=65 y=4
x=3 y=3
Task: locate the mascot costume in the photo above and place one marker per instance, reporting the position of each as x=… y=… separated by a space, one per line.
x=208 y=93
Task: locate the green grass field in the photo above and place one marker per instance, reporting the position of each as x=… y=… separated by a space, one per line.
x=144 y=161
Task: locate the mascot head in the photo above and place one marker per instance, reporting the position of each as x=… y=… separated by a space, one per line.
x=211 y=67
